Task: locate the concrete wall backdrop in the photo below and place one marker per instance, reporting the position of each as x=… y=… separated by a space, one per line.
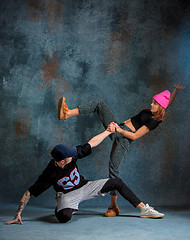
x=119 y=50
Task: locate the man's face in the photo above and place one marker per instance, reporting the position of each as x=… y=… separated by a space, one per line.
x=64 y=162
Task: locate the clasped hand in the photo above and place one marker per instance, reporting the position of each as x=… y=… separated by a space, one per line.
x=112 y=127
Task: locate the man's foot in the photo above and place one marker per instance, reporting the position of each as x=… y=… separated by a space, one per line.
x=62 y=109
x=150 y=212
x=112 y=211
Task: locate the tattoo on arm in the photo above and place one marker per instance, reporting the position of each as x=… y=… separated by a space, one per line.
x=23 y=203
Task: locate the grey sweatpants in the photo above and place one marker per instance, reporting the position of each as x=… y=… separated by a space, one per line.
x=120 y=144
x=72 y=199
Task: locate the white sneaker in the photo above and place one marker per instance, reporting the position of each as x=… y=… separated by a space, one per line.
x=150 y=212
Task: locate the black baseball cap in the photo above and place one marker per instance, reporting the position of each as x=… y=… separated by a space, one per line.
x=61 y=152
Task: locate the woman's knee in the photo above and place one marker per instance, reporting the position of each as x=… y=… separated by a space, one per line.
x=64 y=215
x=100 y=104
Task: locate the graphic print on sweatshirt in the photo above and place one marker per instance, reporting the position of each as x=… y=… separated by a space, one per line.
x=68 y=182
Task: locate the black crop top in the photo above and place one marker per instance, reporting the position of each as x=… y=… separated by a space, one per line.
x=144 y=118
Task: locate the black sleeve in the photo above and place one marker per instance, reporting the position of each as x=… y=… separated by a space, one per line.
x=83 y=150
x=152 y=124
x=41 y=185
x=136 y=120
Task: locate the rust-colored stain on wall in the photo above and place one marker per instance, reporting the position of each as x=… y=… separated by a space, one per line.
x=46 y=10
x=22 y=123
x=158 y=83
x=116 y=53
x=61 y=87
x=36 y=10
x=50 y=68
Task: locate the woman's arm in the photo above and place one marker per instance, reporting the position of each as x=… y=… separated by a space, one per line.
x=24 y=200
x=133 y=136
x=177 y=87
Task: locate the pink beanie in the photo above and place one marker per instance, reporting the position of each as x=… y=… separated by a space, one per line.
x=162 y=98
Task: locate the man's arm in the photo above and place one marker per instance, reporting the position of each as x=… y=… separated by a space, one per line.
x=95 y=141
x=177 y=87
x=24 y=200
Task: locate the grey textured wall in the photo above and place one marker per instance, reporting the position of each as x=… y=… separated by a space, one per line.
x=119 y=50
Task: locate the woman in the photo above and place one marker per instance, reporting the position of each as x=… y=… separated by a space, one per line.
x=126 y=132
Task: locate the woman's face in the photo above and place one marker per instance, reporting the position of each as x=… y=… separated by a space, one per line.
x=154 y=107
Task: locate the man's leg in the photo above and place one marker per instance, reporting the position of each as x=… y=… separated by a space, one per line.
x=121 y=187
x=66 y=204
x=117 y=184
x=64 y=215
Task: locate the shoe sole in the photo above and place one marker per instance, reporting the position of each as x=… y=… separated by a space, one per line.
x=153 y=216
x=110 y=215
x=116 y=211
x=62 y=102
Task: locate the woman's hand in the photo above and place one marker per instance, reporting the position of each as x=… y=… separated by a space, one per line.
x=178 y=87
x=173 y=95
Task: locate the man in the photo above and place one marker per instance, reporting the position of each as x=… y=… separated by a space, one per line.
x=72 y=188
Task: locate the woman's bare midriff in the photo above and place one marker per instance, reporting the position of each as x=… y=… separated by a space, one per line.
x=129 y=124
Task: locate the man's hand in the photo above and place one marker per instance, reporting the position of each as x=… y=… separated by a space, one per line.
x=24 y=200
x=17 y=219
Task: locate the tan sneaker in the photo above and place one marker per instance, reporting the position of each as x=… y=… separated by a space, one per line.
x=62 y=109
x=112 y=212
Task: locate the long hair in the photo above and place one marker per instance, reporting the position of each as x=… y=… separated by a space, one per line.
x=160 y=114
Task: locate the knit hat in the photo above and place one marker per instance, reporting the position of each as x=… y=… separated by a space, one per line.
x=163 y=98
x=61 y=152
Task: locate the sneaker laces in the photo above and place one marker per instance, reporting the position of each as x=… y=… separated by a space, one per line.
x=148 y=206
x=153 y=211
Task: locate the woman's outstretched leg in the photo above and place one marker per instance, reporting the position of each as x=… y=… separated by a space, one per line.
x=99 y=107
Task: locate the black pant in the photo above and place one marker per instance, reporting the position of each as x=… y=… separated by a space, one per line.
x=65 y=214
x=121 y=187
